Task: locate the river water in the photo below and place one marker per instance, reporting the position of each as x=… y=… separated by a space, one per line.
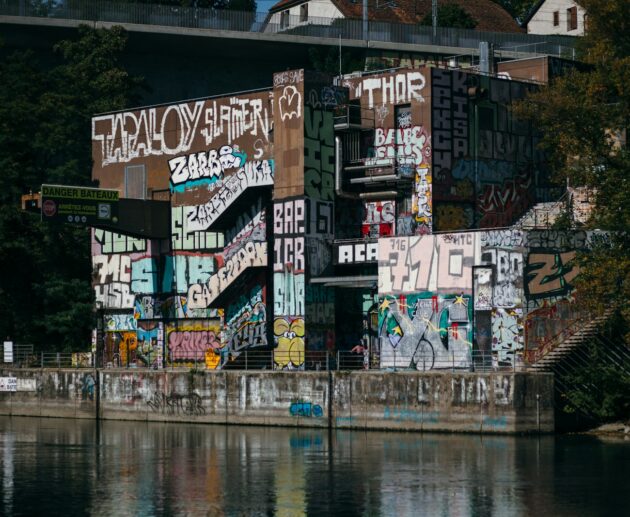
x=73 y=467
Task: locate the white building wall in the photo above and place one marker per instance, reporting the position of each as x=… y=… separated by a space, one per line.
x=542 y=21
x=321 y=12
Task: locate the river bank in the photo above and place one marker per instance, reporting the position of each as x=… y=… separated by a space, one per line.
x=446 y=401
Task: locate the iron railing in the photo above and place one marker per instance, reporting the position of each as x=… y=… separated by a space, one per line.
x=422 y=360
x=51 y=360
x=342 y=360
x=581 y=324
x=346 y=29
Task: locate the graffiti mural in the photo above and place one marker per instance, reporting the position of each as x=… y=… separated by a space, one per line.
x=112 y=281
x=174 y=404
x=425 y=331
x=356 y=253
x=503 y=249
x=203 y=168
x=289 y=224
x=395 y=88
x=256 y=173
x=437 y=263
x=120 y=348
x=189 y=341
x=507 y=336
x=379 y=218
x=105 y=242
x=173 y=130
x=305 y=409
x=249 y=255
x=246 y=320
x=319 y=234
x=289 y=336
x=169 y=307
x=319 y=154
x=549 y=273
x=185 y=239
x=485 y=164
x=118 y=322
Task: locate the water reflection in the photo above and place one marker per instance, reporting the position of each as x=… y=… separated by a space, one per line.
x=74 y=467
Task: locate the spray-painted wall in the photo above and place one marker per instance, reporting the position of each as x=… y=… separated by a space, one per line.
x=487 y=167
x=253 y=175
x=460 y=299
x=397 y=106
x=159 y=298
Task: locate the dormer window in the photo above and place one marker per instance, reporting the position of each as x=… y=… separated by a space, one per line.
x=284 y=19
x=572 y=18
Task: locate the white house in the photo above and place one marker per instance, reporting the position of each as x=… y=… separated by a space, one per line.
x=565 y=17
x=287 y=14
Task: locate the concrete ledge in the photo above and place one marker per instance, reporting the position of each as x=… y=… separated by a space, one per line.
x=506 y=403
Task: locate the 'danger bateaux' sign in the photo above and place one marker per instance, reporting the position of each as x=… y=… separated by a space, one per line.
x=82 y=205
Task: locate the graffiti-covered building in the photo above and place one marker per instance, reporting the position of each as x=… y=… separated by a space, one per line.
x=376 y=212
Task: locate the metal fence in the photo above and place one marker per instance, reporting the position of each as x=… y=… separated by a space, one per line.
x=424 y=359
x=346 y=29
x=25 y=357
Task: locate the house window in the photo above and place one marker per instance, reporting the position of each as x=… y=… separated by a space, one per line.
x=135 y=182
x=556 y=18
x=284 y=19
x=572 y=18
x=304 y=12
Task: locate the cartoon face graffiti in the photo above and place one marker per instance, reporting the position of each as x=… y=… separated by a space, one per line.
x=290 y=338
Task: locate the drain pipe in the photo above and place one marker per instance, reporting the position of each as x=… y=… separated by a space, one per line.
x=386 y=194
x=338 y=168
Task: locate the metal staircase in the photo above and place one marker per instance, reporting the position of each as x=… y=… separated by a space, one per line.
x=573 y=337
x=541 y=215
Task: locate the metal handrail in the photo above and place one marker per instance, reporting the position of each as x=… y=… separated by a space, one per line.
x=578 y=324
x=319 y=27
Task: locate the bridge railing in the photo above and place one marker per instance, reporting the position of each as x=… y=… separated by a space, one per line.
x=346 y=29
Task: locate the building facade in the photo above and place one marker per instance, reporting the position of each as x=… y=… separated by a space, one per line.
x=377 y=212
x=563 y=17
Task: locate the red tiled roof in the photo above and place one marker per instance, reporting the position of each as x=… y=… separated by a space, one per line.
x=488 y=15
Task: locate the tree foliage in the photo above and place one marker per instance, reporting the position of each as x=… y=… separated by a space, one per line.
x=45 y=293
x=584 y=118
x=451 y=15
x=517 y=8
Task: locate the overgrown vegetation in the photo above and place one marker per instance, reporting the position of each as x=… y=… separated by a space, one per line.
x=451 y=15
x=45 y=293
x=584 y=118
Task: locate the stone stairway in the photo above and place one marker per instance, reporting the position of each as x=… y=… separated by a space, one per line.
x=541 y=215
x=548 y=356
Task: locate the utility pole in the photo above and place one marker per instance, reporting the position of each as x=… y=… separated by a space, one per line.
x=434 y=16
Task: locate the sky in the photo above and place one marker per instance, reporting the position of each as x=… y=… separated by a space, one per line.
x=263 y=6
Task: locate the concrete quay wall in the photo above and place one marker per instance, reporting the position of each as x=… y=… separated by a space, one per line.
x=511 y=402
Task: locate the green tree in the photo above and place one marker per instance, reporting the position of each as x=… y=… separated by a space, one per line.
x=45 y=130
x=451 y=15
x=517 y=8
x=584 y=118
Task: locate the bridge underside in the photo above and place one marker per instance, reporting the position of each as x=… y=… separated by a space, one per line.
x=184 y=63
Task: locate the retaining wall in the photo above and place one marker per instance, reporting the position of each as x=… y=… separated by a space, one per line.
x=407 y=401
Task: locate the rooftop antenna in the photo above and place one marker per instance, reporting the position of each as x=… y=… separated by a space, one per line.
x=340 y=54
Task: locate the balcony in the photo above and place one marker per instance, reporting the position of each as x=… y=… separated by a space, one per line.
x=353 y=117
